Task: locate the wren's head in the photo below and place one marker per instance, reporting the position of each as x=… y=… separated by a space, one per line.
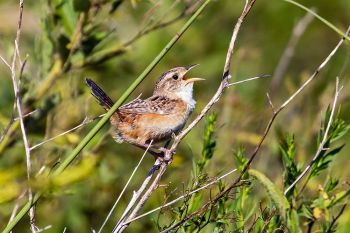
x=174 y=83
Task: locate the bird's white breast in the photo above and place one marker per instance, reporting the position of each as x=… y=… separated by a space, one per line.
x=186 y=94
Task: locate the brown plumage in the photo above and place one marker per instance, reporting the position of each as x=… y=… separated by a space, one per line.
x=157 y=117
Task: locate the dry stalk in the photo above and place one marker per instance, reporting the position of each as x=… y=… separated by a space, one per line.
x=288 y=53
x=185 y=196
x=124 y=188
x=18 y=102
x=86 y=121
x=324 y=139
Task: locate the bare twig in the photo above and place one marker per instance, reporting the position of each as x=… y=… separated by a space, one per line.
x=9 y=124
x=125 y=186
x=5 y=62
x=121 y=226
x=136 y=195
x=17 y=51
x=20 y=113
x=187 y=195
x=335 y=219
x=270 y=102
x=257 y=148
x=324 y=139
x=288 y=53
x=44 y=229
x=249 y=79
x=27 y=114
x=83 y=123
x=16 y=207
x=268 y=220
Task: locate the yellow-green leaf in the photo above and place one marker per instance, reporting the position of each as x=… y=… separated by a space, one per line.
x=76 y=173
x=9 y=192
x=274 y=193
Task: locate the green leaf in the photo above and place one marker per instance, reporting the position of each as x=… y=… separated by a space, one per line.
x=240 y=158
x=209 y=143
x=331 y=184
x=293 y=222
x=323 y=161
x=68 y=16
x=274 y=193
x=76 y=173
x=9 y=192
x=291 y=170
x=337 y=130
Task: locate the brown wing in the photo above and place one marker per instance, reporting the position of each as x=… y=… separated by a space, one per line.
x=154 y=105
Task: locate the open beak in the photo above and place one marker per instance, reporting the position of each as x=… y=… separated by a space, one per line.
x=190 y=80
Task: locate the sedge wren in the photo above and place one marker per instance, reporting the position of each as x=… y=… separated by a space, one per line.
x=156 y=118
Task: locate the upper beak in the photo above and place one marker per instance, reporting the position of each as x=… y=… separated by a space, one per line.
x=188 y=68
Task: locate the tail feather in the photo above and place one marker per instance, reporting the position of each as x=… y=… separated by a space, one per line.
x=99 y=94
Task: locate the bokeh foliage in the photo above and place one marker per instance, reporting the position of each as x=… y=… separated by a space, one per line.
x=112 y=41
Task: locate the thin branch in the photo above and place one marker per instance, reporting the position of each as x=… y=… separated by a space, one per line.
x=336 y=218
x=10 y=127
x=44 y=229
x=169 y=153
x=17 y=50
x=136 y=196
x=267 y=221
x=15 y=208
x=20 y=114
x=83 y=123
x=9 y=124
x=187 y=195
x=5 y=62
x=250 y=79
x=270 y=102
x=324 y=139
x=27 y=114
x=125 y=186
x=257 y=148
x=288 y=53
x=317 y=70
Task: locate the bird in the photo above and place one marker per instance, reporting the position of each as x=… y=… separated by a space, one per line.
x=158 y=118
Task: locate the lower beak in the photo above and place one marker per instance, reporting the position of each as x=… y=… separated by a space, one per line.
x=191 y=80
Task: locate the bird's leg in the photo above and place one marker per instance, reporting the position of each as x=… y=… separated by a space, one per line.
x=145 y=147
x=167 y=144
x=160 y=148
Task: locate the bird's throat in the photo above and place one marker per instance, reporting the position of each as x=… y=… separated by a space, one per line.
x=186 y=94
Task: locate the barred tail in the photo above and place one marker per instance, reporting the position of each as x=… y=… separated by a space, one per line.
x=99 y=94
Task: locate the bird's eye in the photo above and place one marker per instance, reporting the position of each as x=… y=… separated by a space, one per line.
x=175 y=76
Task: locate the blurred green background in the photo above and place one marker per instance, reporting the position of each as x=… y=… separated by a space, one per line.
x=60 y=54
